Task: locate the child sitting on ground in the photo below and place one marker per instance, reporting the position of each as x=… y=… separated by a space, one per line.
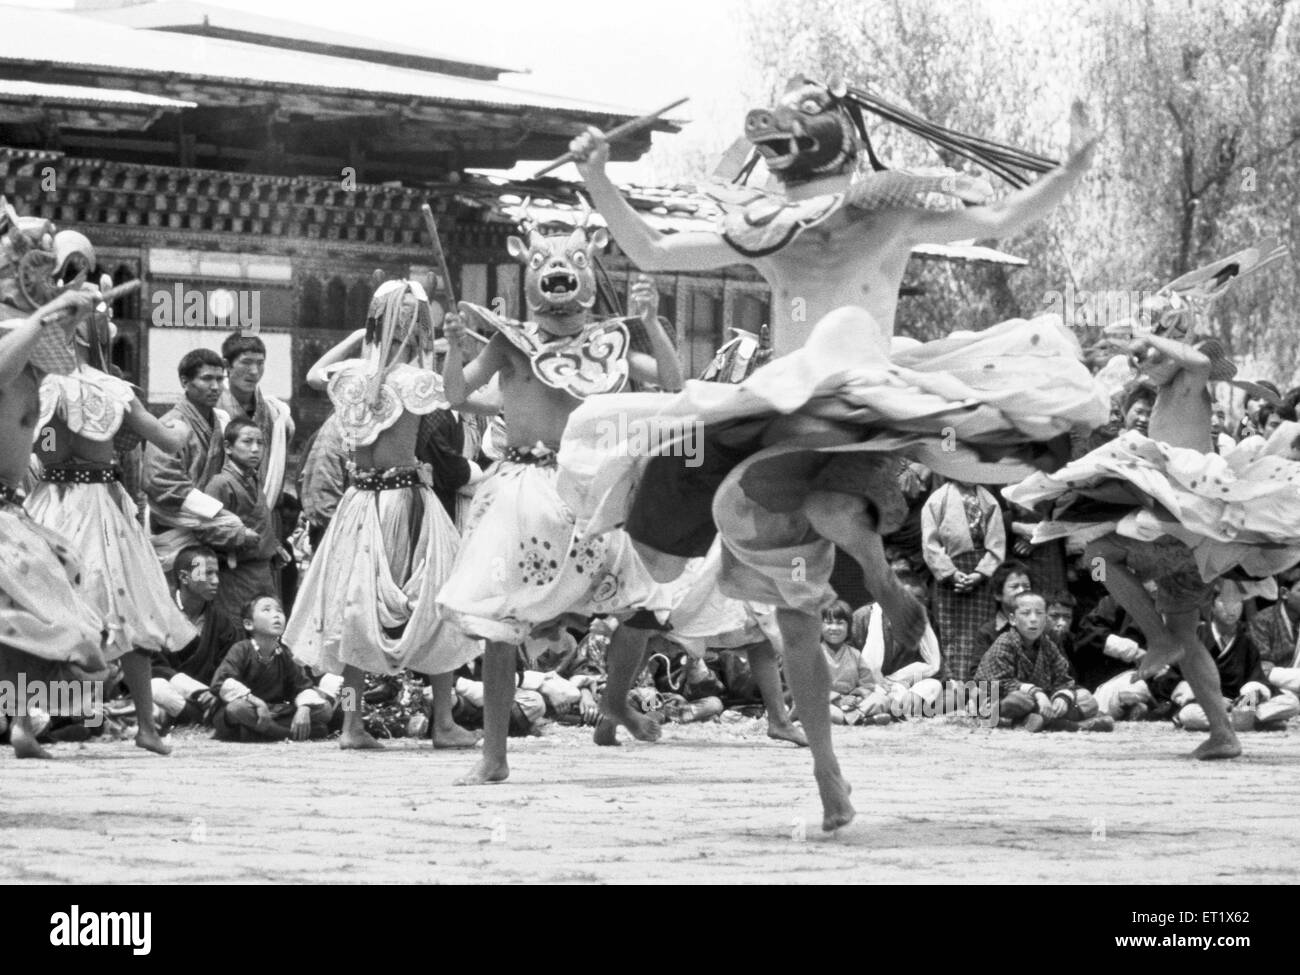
x=1242 y=681
x=1034 y=681
x=264 y=694
x=852 y=685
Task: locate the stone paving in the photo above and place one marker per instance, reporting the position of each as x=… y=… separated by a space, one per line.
x=937 y=802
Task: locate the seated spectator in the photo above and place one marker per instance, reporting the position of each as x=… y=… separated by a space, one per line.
x=1045 y=561
x=1276 y=635
x=906 y=678
x=1060 y=619
x=1271 y=417
x=1250 y=424
x=851 y=681
x=1138 y=401
x=196 y=577
x=177 y=693
x=1241 y=675
x=1105 y=658
x=1009 y=581
x=263 y=693
x=538 y=695
x=1130 y=410
x=1034 y=682
x=1222 y=441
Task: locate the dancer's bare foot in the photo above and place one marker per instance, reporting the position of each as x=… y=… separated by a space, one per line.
x=1218 y=746
x=454 y=737
x=606 y=733
x=359 y=738
x=151 y=741
x=787 y=732
x=641 y=727
x=485 y=772
x=24 y=742
x=1162 y=651
x=837 y=810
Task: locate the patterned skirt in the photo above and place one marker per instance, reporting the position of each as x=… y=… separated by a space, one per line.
x=986 y=408
x=957 y=618
x=524 y=563
x=43 y=612
x=703 y=618
x=1239 y=511
x=369 y=598
x=121 y=576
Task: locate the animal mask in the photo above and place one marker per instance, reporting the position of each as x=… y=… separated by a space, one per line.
x=808 y=134
x=559 y=281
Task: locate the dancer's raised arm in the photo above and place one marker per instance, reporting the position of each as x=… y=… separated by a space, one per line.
x=663 y=367
x=16 y=346
x=317 y=375
x=458 y=381
x=144 y=424
x=647 y=248
x=1019 y=209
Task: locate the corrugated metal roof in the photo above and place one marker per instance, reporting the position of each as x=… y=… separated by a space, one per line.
x=79 y=95
x=44 y=37
x=186 y=13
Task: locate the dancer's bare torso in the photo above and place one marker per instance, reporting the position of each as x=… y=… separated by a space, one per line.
x=534 y=412
x=394 y=447
x=62 y=445
x=1182 y=412
x=855 y=258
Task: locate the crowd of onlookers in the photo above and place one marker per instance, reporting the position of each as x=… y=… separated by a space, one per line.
x=1028 y=616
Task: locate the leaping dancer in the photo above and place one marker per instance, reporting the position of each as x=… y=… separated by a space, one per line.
x=1164 y=507
x=834 y=248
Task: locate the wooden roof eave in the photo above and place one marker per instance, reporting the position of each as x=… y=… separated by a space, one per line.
x=209 y=91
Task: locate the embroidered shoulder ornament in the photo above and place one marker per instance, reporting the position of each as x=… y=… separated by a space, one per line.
x=363 y=415
x=590 y=362
x=92 y=403
x=757 y=222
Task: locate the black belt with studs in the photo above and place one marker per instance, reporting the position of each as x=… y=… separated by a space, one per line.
x=369 y=479
x=531 y=455
x=79 y=474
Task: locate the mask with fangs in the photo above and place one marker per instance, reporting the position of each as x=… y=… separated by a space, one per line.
x=808 y=134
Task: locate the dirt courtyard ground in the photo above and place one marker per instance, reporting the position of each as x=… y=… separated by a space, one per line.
x=937 y=803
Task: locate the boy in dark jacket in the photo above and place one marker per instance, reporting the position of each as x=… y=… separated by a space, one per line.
x=264 y=694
